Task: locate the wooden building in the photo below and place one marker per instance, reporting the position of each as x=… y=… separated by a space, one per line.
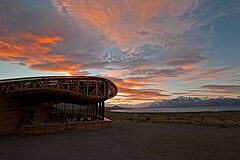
x=53 y=104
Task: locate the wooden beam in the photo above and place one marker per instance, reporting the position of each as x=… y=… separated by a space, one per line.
x=87 y=87
x=103 y=109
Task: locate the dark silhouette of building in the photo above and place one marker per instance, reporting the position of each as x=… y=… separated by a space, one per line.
x=53 y=104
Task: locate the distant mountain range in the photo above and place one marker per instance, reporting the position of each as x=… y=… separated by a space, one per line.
x=116 y=107
x=191 y=101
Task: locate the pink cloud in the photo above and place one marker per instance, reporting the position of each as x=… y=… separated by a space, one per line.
x=225 y=89
x=122 y=21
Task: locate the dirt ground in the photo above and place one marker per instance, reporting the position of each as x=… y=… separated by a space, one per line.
x=127 y=140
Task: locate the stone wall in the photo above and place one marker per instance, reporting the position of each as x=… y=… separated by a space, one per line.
x=55 y=128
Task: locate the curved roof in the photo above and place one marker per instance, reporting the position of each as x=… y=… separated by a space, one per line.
x=86 y=88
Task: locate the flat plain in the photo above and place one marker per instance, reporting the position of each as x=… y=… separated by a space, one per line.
x=129 y=140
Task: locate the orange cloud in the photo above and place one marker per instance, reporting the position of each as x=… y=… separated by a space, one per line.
x=135 y=82
x=115 y=73
x=49 y=40
x=34 y=51
x=135 y=92
x=125 y=84
x=211 y=73
x=68 y=68
x=137 y=96
x=226 y=90
x=123 y=21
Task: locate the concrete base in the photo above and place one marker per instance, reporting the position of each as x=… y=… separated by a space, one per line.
x=61 y=127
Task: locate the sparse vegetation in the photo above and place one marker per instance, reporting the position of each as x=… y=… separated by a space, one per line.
x=222 y=119
x=148 y=118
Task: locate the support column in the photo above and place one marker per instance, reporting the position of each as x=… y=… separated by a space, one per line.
x=98 y=111
x=96 y=105
x=103 y=109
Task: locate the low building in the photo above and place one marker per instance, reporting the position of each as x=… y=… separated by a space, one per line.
x=53 y=104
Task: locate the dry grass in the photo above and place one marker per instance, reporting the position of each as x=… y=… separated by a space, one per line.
x=222 y=119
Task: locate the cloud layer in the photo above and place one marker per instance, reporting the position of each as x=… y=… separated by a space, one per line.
x=150 y=49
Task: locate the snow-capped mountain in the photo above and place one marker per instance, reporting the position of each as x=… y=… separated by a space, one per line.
x=194 y=101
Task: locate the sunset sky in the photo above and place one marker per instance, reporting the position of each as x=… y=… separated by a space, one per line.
x=151 y=49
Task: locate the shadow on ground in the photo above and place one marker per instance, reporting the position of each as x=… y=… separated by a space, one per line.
x=128 y=141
